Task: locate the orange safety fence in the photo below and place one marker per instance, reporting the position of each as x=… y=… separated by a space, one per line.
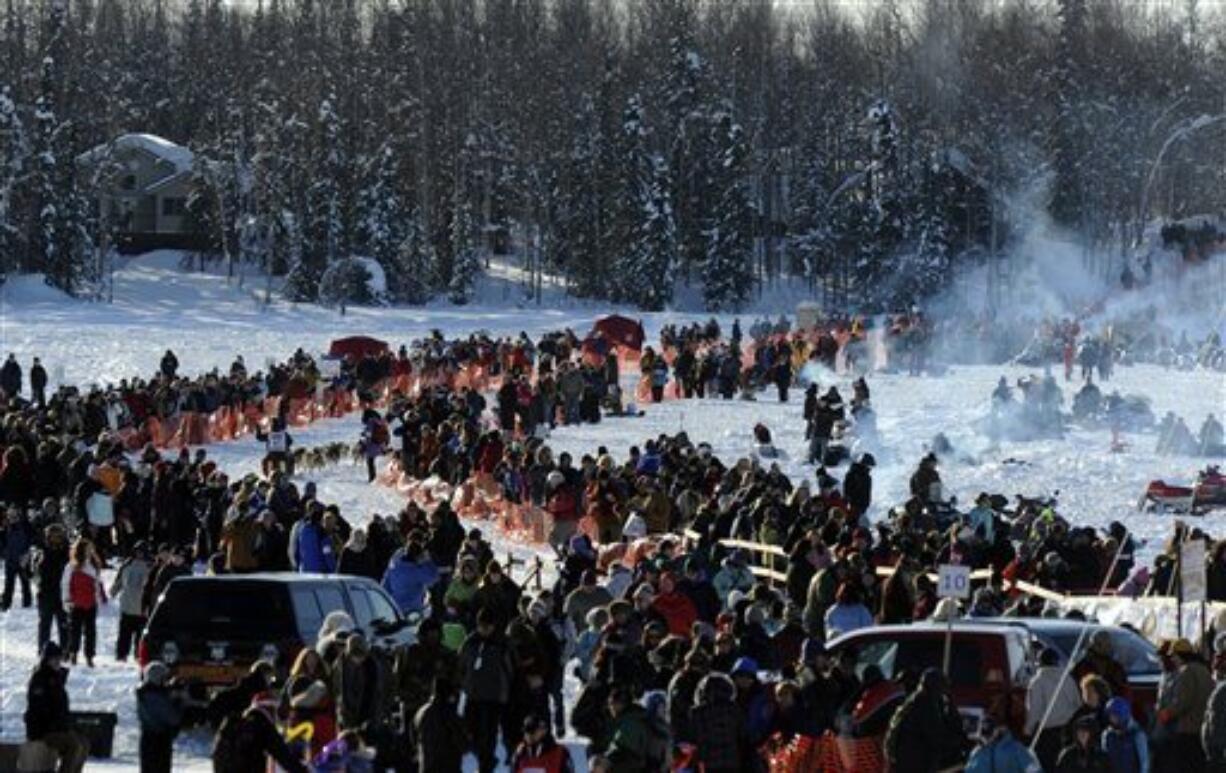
x=830 y=754
x=229 y=423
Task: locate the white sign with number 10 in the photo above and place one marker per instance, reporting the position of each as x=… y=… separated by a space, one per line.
x=953 y=581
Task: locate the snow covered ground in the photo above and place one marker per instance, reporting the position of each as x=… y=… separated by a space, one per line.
x=207 y=322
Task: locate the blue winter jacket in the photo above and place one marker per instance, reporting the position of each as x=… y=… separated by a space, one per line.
x=18 y=539
x=408 y=581
x=1128 y=749
x=845 y=618
x=315 y=553
x=1004 y=755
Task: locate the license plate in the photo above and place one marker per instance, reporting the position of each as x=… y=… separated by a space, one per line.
x=209 y=674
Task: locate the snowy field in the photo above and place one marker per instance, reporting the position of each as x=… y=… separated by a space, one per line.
x=207 y=322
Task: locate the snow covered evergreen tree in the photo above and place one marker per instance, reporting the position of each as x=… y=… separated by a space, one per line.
x=62 y=239
x=647 y=272
x=466 y=255
x=14 y=168
x=382 y=224
x=728 y=269
x=415 y=276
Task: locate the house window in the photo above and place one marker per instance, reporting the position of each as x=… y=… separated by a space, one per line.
x=128 y=183
x=174 y=206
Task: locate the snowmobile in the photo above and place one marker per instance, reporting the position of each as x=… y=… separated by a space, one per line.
x=1207 y=493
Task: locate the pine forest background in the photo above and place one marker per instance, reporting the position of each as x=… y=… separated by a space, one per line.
x=622 y=147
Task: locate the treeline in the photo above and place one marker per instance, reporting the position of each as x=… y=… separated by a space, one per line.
x=621 y=146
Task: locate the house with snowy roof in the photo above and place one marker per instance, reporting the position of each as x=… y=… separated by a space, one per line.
x=142 y=182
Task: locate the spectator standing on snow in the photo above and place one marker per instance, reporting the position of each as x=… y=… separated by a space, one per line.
x=47 y=715
x=169 y=365
x=441 y=737
x=83 y=594
x=128 y=587
x=18 y=542
x=38 y=383
x=10 y=377
x=160 y=711
x=49 y=567
x=487 y=673
x=409 y=576
x=314 y=552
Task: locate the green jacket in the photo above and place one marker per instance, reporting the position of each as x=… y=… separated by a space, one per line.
x=628 y=742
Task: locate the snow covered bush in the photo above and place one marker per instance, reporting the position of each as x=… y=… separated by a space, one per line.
x=353 y=280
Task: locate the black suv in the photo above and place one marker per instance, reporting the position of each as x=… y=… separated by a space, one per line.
x=209 y=630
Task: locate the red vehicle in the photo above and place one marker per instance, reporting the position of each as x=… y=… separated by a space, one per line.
x=994 y=657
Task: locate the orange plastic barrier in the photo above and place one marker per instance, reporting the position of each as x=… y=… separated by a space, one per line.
x=830 y=754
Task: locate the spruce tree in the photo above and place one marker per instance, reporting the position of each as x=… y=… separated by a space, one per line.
x=728 y=268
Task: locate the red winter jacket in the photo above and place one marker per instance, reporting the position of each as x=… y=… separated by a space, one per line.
x=81 y=587
x=678 y=612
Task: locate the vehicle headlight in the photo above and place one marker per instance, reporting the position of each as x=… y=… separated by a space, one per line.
x=170 y=653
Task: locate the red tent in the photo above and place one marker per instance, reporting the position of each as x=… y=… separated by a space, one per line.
x=621 y=331
x=357 y=347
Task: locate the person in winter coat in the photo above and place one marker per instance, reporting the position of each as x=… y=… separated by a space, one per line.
x=683 y=692
x=374 y=442
x=271 y=544
x=17 y=481
x=487 y=672
x=733 y=575
x=1124 y=741
x=674 y=606
x=18 y=541
x=441 y=737
x=925 y=732
x=245 y=741
x=1050 y=686
x=49 y=567
x=47 y=717
x=357 y=559
x=1213 y=731
x=169 y=364
x=1000 y=752
x=659 y=379
x=858 y=484
x=38 y=383
x=1085 y=754
x=1099 y=660
x=848 y=613
x=628 y=748
x=540 y=752
x=160 y=711
x=753 y=699
x=357 y=684
x=82 y=593
x=128 y=587
x=499 y=594
x=584 y=599
x=718 y=727
x=239 y=536
x=1185 y=714
x=10 y=377
x=314 y=552
x=409 y=576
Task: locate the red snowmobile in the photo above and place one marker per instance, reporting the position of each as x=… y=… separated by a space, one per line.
x=1208 y=493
